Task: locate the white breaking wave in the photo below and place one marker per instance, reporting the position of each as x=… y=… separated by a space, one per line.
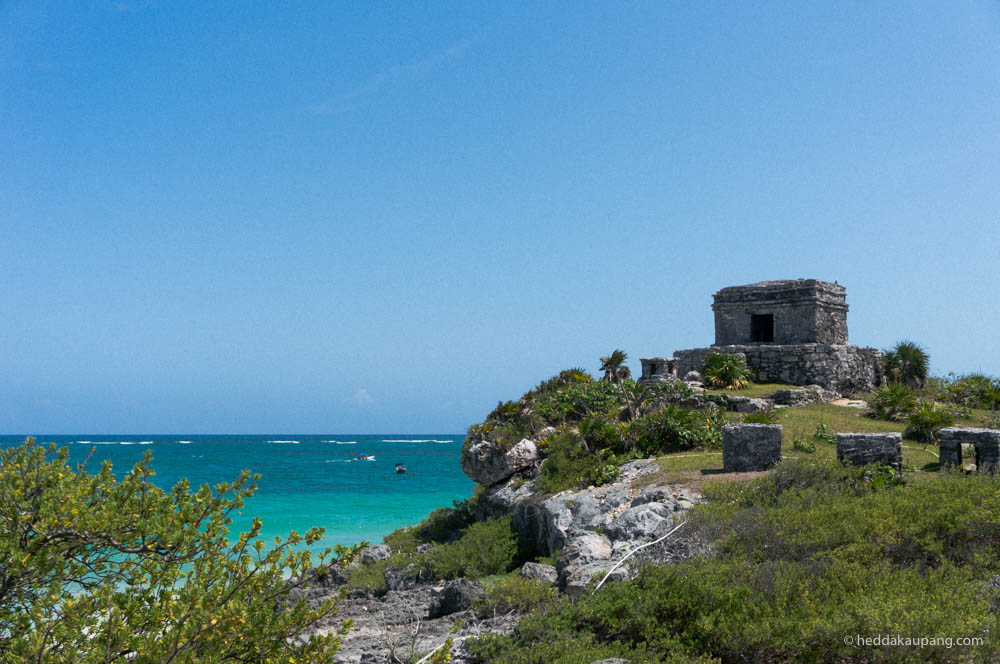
x=145 y=442
x=420 y=440
x=184 y=442
x=284 y=442
x=342 y=442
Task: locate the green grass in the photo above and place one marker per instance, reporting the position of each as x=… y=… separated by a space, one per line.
x=755 y=390
x=802 y=422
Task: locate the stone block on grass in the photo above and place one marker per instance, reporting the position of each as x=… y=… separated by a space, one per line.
x=750 y=447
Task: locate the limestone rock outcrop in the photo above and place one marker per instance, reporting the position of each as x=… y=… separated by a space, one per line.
x=487 y=463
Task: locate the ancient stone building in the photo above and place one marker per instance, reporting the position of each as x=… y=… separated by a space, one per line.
x=790 y=331
x=803 y=311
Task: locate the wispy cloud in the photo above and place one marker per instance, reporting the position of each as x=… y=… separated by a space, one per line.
x=363 y=397
x=352 y=98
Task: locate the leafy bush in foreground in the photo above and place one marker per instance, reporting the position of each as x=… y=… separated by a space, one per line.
x=93 y=569
x=802 y=558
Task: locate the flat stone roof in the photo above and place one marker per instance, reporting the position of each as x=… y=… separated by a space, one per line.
x=784 y=289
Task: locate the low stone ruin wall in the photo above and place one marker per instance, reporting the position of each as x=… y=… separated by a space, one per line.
x=749 y=447
x=986 y=442
x=844 y=369
x=861 y=449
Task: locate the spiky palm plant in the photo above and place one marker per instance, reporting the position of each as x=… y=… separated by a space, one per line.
x=726 y=371
x=907 y=363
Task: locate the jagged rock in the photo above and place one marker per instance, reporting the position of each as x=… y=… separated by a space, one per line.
x=584 y=548
x=487 y=463
x=579 y=580
x=748 y=405
x=693 y=377
x=402 y=579
x=612 y=660
x=454 y=596
x=424 y=548
x=571 y=513
x=374 y=553
x=648 y=520
x=539 y=572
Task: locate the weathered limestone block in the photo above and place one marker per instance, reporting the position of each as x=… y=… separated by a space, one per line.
x=986 y=442
x=540 y=572
x=749 y=447
x=860 y=449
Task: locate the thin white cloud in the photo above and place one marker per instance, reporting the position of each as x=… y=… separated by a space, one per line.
x=363 y=397
x=349 y=100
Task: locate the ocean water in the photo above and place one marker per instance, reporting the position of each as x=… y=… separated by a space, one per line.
x=306 y=480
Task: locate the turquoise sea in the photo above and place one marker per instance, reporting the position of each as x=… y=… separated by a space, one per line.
x=306 y=480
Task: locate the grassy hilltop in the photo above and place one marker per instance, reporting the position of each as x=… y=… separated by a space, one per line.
x=802 y=562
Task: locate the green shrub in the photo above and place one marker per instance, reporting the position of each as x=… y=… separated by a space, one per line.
x=768 y=416
x=674 y=429
x=99 y=567
x=727 y=371
x=907 y=363
x=570 y=463
x=824 y=435
x=513 y=593
x=972 y=391
x=893 y=402
x=925 y=422
x=804 y=445
x=486 y=548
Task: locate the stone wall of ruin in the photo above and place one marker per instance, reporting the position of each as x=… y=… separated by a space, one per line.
x=843 y=369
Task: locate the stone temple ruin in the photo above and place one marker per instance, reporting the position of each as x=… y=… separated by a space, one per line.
x=789 y=331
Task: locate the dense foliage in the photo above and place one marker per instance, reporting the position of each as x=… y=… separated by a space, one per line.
x=803 y=558
x=595 y=425
x=970 y=391
x=96 y=569
x=481 y=549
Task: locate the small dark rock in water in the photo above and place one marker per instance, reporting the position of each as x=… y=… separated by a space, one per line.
x=455 y=596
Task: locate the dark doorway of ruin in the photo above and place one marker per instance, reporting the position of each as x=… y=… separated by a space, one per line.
x=762 y=327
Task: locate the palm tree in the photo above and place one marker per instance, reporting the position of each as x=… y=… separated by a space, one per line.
x=615 y=371
x=613 y=368
x=907 y=363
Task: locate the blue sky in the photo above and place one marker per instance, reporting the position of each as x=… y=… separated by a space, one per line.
x=323 y=217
